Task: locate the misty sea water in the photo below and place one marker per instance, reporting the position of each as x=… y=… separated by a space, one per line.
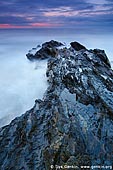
x=22 y=81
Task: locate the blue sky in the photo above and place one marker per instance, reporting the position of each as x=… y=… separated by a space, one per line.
x=96 y=14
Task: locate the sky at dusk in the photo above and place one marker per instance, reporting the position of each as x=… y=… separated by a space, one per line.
x=96 y=14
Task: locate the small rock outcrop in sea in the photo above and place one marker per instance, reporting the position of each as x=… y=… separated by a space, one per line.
x=73 y=125
x=48 y=49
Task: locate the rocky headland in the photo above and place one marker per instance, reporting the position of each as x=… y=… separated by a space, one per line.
x=72 y=127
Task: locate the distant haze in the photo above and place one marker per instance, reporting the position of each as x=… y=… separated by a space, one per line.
x=22 y=81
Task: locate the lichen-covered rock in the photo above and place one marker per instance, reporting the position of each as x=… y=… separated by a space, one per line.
x=73 y=125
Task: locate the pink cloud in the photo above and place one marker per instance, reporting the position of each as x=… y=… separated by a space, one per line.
x=44 y=24
x=61 y=11
x=32 y=25
x=12 y=26
x=98 y=9
x=57 y=13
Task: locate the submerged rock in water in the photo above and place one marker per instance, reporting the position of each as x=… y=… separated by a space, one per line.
x=73 y=124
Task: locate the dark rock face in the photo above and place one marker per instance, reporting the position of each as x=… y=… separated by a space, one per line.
x=102 y=55
x=51 y=44
x=72 y=125
x=48 y=49
x=77 y=46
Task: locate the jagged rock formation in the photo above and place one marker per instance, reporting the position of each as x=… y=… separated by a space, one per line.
x=73 y=124
x=48 y=49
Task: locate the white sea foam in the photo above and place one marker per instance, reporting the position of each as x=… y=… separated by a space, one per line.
x=21 y=81
x=20 y=84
